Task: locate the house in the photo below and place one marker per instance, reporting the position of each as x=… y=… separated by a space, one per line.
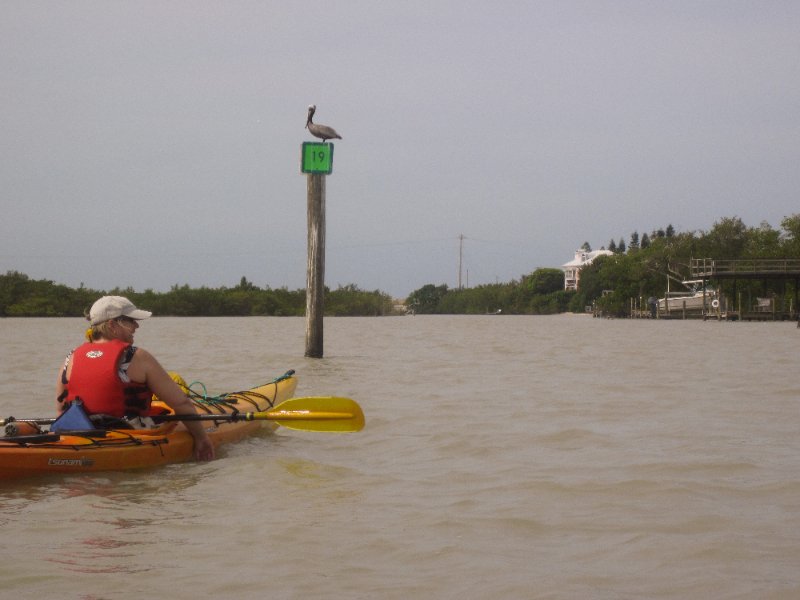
x=572 y=269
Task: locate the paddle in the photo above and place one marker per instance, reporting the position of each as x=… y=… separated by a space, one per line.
x=322 y=413
x=315 y=413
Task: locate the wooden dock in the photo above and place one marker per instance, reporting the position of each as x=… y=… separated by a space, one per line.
x=767 y=308
x=775 y=303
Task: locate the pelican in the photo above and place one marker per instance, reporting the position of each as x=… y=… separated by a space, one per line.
x=321 y=131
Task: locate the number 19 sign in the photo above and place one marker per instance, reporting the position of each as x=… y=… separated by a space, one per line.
x=317 y=158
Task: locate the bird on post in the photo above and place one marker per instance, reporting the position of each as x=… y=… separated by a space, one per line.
x=321 y=131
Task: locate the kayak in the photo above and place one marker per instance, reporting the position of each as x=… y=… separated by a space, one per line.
x=80 y=452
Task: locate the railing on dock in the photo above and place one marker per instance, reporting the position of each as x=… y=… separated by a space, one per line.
x=755 y=268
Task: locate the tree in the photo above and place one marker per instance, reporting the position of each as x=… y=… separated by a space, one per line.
x=592 y=282
x=763 y=242
x=426 y=299
x=246 y=285
x=544 y=281
x=586 y=247
x=790 y=239
x=726 y=239
x=350 y=301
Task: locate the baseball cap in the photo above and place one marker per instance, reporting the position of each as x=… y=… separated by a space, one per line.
x=112 y=307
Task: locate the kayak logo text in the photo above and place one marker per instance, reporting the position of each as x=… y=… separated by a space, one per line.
x=70 y=462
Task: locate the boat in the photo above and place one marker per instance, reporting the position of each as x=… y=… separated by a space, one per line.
x=29 y=450
x=697 y=298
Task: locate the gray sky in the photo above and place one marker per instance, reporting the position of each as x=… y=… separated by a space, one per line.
x=151 y=143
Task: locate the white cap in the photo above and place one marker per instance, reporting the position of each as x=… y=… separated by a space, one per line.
x=112 y=307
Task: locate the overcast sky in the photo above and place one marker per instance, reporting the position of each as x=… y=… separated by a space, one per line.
x=154 y=143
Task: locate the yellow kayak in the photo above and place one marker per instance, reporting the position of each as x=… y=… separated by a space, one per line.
x=123 y=449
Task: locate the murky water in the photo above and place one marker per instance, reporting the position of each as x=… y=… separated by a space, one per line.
x=515 y=457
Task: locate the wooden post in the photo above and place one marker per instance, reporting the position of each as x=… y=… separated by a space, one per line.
x=315 y=274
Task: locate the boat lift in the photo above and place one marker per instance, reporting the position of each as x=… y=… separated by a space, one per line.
x=763 y=269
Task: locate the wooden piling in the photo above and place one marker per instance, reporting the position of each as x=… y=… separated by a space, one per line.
x=315 y=273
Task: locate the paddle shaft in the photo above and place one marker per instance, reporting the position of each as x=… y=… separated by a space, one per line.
x=312 y=414
x=269 y=415
x=274 y=415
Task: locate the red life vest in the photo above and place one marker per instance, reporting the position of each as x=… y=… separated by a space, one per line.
x=95 y=380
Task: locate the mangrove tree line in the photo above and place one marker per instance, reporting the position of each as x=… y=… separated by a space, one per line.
x=21 y=296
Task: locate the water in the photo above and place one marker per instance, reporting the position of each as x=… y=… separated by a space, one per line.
x=515 y=457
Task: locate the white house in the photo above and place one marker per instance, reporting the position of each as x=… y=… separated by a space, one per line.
x=572 y=269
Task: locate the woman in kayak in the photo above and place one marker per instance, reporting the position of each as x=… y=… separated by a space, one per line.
x=111 y=376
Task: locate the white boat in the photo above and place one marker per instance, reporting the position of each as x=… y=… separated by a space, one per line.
x=696 y=299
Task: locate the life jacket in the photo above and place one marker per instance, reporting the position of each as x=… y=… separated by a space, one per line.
x=95 y=380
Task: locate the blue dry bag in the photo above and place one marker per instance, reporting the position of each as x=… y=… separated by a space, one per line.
x=72 y=419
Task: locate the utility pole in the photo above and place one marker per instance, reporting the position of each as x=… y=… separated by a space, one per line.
x=460 y=257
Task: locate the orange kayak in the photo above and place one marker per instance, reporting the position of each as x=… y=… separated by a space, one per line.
x=124 y=449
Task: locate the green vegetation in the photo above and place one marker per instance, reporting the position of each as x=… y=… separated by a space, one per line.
x=636 y=270
x=541 y=292
x=21 y=296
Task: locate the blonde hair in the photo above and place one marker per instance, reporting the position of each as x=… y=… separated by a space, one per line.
x=96 y=332
x=101 y=330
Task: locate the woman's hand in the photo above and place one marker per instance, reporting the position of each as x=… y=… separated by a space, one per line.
x=203 y=448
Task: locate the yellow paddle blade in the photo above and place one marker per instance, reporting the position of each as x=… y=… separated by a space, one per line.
x=322 y=413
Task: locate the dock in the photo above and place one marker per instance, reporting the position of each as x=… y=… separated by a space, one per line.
x=772 y=304
x=769 y=307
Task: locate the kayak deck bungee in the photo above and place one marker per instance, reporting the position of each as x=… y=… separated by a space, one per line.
x=80 y=452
